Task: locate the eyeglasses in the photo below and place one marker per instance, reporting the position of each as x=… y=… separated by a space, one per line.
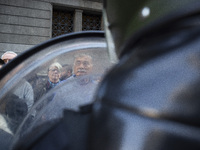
x=85 y=63
x=53 y=70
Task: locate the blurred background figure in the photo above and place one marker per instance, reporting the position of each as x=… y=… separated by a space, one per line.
x=15 y=111
x=7 y=56
x=23 y=90
x=66 y=72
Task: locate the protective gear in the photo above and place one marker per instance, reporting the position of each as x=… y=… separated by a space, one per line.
x=134 y=19
x=150 y=99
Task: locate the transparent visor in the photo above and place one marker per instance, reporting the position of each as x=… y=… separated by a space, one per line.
x=62 y=75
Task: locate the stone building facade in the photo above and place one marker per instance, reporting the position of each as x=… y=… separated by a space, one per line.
x=25 y=23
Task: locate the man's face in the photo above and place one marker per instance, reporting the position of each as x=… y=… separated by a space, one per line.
x=82 y=66
x=54 y=74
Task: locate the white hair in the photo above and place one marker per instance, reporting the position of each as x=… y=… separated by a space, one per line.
x=55 y=64
x=8 y=52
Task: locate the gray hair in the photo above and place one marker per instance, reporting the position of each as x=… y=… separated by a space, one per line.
x=79 y=55
x=57 y=65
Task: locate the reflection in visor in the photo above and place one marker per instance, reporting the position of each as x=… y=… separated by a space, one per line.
x=69 y=86
x=72 y=93
x=83 y=60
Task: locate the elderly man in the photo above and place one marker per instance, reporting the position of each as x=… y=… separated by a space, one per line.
x=82 y=65
x=7 y=56
x=23 y=90
x=76 y=91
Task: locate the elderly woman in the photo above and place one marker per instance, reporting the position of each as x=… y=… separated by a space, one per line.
x=54 y=75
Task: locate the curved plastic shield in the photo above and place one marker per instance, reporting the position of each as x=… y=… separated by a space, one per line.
x=28 y=94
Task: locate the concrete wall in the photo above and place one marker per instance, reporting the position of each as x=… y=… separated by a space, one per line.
x=25 y=23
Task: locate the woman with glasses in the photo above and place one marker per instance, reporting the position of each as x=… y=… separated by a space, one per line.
x=53 y=79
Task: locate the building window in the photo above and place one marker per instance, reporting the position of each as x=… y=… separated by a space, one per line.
x=91 y=22
x=62 y=22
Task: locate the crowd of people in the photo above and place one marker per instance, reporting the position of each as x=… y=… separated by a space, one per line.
x=28 y=92
x=32 y=90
